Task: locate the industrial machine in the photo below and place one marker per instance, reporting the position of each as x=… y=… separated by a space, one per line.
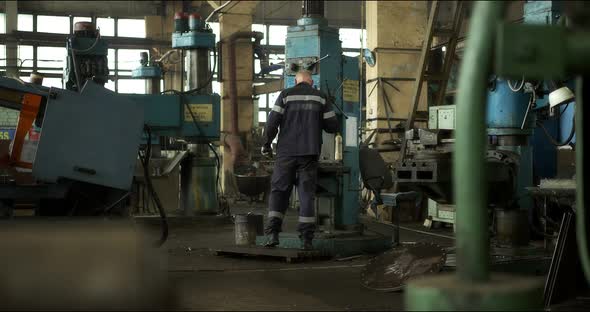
x=87 y=57
x=517 y=118
x=534 y=54
x=89 y=171
x=315 y=46
x=193 y=116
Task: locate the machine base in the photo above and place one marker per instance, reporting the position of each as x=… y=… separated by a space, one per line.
x=447 y=293
x=340 y=244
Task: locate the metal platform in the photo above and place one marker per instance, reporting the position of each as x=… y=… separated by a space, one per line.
x=338 y=244
x=290 y=255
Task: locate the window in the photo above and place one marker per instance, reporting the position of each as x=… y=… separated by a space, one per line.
x=2 y=55
x=272 y=98
x=353 y=54
x=2 y=23
x=257 y=66
x=277 y=34
x=110 y=85
x=106 y=26
x=216 y=86
x=131 y=86
x=52 y=82
x=111 y=59
x=351 y=38
x=128 y=59
x=261 y=28
x=131 y=28
x=262 y=116
x=275 y=59
x=25 y=55
x=25 y=22
x=216 y=31
x=262 y=101
x=53 y=24
x=51 y=57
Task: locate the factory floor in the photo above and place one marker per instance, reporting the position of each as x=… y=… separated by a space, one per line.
x=203 y=281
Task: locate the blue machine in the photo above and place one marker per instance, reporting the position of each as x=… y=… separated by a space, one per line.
x=314 y=46
x=193 y=115
x=506 y=114
x=545 y=155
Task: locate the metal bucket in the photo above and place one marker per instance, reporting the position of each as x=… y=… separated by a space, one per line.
x=247 y=227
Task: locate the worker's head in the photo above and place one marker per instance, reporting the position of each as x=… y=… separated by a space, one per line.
x=304 y=76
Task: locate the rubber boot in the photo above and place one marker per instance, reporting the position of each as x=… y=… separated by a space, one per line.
x=272 y=240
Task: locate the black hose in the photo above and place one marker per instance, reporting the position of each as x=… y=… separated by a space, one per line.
x=218 y=160
x=553 y=141
x=145 y=161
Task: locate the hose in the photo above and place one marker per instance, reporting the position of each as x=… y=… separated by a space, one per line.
x=552 y=140
x=515 y=89
x=145 y=161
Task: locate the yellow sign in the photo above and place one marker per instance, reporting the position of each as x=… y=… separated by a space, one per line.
x=202 y=112
x=350 y=90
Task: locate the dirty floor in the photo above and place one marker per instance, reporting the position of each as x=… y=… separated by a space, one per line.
x=203 y=281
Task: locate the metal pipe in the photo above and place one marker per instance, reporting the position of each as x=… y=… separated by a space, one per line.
x=217 y=10
x=470 y=174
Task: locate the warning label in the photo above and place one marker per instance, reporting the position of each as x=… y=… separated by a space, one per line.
x=350 y=90
x=202 y=112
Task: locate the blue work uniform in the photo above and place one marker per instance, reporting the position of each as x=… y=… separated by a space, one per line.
x=301 y=113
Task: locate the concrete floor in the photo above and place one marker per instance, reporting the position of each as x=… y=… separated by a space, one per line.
x=203 y=281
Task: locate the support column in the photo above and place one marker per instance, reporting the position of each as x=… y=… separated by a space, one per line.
x=238 y=18
x=395 y=32
x=161 y=28
x=11 y=44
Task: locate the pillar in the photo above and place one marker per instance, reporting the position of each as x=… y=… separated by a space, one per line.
x=238 y=18
x=395 y=32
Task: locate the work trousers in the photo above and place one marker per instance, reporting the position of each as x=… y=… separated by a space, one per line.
x=288 y=171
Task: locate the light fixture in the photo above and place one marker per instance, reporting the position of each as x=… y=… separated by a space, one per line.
x=559 y=97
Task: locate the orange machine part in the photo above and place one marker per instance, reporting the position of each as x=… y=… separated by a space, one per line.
x=28 y=113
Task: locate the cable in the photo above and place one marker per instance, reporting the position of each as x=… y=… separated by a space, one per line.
x=145 y=161
x=515 y=89
x=553 y=141
x=91 y=47
x=118 y=201
x=217 y=10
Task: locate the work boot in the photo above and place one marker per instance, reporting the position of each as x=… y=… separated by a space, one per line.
x=272 y=240
x=307 y=244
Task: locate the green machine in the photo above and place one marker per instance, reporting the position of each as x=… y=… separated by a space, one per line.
x=537 y=52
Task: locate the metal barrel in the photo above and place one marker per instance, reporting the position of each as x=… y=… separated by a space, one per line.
x=247 y=227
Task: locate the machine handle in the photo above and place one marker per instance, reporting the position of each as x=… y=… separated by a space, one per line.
x=88 y=171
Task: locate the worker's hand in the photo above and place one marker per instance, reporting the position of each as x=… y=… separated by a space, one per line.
x=266 y=151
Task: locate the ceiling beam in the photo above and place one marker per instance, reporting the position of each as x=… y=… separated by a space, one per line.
x=213 y=4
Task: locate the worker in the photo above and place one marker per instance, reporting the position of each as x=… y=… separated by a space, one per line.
x=301 y=113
